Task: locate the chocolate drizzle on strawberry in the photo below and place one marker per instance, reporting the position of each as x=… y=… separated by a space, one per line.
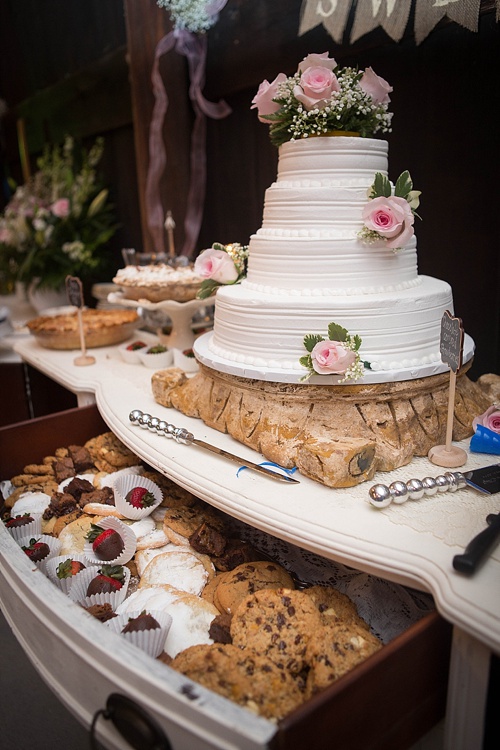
x=16 y=521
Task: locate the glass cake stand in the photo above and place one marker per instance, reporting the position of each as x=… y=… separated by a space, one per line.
x=181 y=314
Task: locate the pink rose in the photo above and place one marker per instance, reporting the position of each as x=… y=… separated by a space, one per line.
x=490 y=419
x=216 y=265
x=316 y=87
x=392 y=218
x=60 y=208
x=263 y=99
x=317 y=61
x=331 y=357
x=375 y=86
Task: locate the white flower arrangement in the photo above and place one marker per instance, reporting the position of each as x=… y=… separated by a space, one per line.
x=196 y=16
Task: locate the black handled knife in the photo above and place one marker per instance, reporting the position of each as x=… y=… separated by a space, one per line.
x=479 y=547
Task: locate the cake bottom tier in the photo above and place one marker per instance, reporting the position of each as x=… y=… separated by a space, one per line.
x=261 y=335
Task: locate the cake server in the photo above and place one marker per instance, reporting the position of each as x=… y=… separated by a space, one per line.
x=485 y=480
x=181 y=435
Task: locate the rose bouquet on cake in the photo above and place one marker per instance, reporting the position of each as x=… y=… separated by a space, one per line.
x=59 y=222
x=321 y=98
x=221 y=264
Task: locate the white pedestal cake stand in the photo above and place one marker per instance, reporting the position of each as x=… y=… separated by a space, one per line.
x=180 y=313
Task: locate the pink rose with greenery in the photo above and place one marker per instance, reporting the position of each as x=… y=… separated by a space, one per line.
x=375 y=86
x=391 y=218
x=331 y=357
x=263 y=99
x=317 y=60
x=216 y=265
x=316 y=87
x=60 y=208
x=490 y=419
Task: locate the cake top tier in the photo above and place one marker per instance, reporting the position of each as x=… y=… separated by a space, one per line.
x=333 y=160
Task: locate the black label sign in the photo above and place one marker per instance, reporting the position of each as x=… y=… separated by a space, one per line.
x=74 y=290
x=452 y=341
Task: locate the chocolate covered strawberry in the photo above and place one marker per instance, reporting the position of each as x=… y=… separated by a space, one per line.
x=69 y=568
x=36 y=550
x=135 y=345
x=140 y=497
x=17 y=521
x=110 y=578
x=107 y=544
x=144 y=621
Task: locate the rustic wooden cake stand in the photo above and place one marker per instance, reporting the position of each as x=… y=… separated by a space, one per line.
x=337 y=435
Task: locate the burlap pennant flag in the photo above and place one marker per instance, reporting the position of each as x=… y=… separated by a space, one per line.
x=428 y=13
x=391 y=15
x=333 y=14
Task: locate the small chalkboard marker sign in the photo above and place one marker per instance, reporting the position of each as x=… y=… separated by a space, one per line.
x=74 y=290
x=451 y=349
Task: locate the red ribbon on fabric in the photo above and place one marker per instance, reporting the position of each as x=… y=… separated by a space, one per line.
x=194 y=48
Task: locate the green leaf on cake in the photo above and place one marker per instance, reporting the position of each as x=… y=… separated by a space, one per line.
x=306 y=361
x=207 y=289
x=404 y=185
x=337 y=333
x=381 y=187
x=357 y=342
x=311 y=339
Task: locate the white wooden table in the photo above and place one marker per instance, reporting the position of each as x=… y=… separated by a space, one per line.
x=412 y=544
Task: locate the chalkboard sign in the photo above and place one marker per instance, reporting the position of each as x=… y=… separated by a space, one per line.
x=452 y=341
x=74 y=290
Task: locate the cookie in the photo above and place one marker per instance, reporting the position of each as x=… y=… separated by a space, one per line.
x=277 y=623
x=334 y=606
x=25 y=480
x=209 y=590
x=247 y=678
x=109 y=453
x=334 y=650
x=43 y=468
x=73 y=536
x=180 y=523
x=179 y=568
x=247 y=578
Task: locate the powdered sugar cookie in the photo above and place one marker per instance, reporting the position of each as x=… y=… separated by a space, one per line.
x=144 y=556
x=102 y=509
x=179 y=568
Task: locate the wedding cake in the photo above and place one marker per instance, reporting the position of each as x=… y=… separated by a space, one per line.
x=331 y=292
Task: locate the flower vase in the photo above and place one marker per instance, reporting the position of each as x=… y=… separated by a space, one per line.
x=43 y=299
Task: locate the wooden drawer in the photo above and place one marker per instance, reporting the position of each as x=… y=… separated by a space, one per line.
x=389 y=701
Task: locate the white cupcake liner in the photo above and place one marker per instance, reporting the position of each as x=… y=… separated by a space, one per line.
x=51 y=570
x=157 y=361
x=54 y=546
x=128 y=536
x=34 y=528
x=78 y=590
x=131 y=356
x=122 y=487
x=188 y=364
x=150 y=641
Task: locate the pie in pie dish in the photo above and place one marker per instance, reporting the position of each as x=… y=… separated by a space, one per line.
x=158 y=283
x=100 y=328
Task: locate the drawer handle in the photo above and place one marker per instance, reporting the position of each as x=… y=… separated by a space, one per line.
x=132 y=722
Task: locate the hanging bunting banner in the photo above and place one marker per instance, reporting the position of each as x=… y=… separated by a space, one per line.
x=391 y=15
x=333 y=14
x=428 y=13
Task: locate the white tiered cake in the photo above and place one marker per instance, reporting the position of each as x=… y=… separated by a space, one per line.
x=308 y=266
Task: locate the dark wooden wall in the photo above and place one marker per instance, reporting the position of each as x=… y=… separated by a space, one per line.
x=91 y=71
